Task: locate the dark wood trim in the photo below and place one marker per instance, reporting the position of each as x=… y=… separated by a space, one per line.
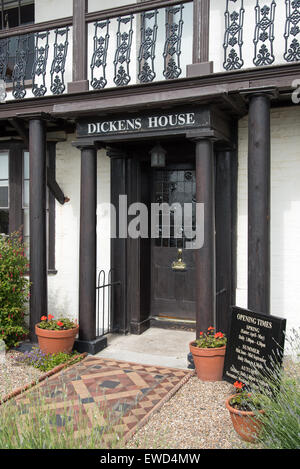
x=234 y=212
x=118 y=245
x=22 y=131
x=38 y=27
x=201 y=31
x=51 y=171
x=131 y=9
x=15 y=188
x=206 y=256
x=79 y=40
x=88 y=245
x=223 y=240
x=38 y=233
x=259 y=176
x=55 y=189
x=211 y=88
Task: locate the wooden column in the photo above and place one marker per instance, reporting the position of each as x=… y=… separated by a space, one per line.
x=206 y=256
x=80 y=80
x=87 y=253
x=259 y=204
x=118 y=244
x=201 y=16
x=38 y=237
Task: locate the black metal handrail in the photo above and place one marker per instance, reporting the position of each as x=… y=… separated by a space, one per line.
x=105 y=303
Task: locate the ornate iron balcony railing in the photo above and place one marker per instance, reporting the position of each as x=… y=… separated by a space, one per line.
x=148 y=42
x=142 y=47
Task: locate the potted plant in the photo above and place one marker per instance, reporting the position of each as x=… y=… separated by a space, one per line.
x=244 y=409
x=208 y=354
x=56 y=336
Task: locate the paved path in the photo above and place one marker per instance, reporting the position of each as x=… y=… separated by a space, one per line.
x=125 y=393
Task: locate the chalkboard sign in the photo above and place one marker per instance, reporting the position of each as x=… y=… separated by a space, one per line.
x=255 y=343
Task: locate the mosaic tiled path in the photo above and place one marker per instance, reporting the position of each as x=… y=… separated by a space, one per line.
x=126 y=392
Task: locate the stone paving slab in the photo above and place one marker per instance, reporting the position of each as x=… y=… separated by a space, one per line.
x=123 y=392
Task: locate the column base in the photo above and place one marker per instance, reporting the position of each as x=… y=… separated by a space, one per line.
x=78 y=86
x=90 y=346
x=199 y=69
x=138 y=328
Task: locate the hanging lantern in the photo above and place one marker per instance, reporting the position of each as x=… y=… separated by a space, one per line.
x=158 y=156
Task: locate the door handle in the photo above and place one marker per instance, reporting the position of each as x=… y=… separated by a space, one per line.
x=179 y=265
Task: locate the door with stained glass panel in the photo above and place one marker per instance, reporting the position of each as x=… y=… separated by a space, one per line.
x=173 y=292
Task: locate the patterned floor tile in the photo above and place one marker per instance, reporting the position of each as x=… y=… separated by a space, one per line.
x=100 y=389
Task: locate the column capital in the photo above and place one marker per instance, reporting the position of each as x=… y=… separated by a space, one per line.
x=200 y=135
x=267 y=92
x=87 y=145
x=115 y=152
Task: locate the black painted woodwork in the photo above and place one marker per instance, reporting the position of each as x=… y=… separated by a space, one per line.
x=88 y=245
x=259 y=175
x=206 y=256
x=118 y=245
x=223 y=240
x=38 y=235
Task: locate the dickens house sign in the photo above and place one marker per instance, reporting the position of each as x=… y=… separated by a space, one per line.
x=179 y=121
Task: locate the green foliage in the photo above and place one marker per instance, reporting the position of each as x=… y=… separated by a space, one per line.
x=281 y=420
x=35 y=425
x=210 y=339
x=281 y=401
x=14 y=289
x=246 y=402
x=46 y=362
x=56 y=325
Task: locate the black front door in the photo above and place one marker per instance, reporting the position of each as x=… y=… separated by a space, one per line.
x=173 y=292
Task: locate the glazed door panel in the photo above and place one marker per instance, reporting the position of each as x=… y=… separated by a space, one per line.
x=172 y=292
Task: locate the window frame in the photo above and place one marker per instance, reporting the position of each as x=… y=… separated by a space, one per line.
x=16 y=150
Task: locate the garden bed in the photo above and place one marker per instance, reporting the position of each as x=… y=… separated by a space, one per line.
x=16 y=376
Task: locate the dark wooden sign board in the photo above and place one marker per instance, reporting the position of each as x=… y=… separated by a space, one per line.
x=255 y=343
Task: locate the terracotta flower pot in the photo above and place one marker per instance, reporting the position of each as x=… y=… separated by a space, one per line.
x=56 y=341
x=209 y=362
x=245 y=423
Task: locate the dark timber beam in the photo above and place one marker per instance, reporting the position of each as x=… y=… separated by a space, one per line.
x=206 y=256
x=87 y=254
x=80 y=81
x=55 y=189
x=201 y=64
x=21 y=129
x=38 y=238
x=259 y=203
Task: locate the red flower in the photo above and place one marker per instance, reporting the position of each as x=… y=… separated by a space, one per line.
x=44 y=318
x=201 y=333
x=219 y=335
x=50 y=317
x=210 y=328
x=238 y=385
x=59 y=323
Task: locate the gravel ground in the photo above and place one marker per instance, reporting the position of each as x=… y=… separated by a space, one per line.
x=13 y=375
x=194 y=418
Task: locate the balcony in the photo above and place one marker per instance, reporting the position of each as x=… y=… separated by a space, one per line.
x=144 y=43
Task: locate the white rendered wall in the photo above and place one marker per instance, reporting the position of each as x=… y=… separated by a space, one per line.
x=285 y=215
x=63 y=287
x=47 y=10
